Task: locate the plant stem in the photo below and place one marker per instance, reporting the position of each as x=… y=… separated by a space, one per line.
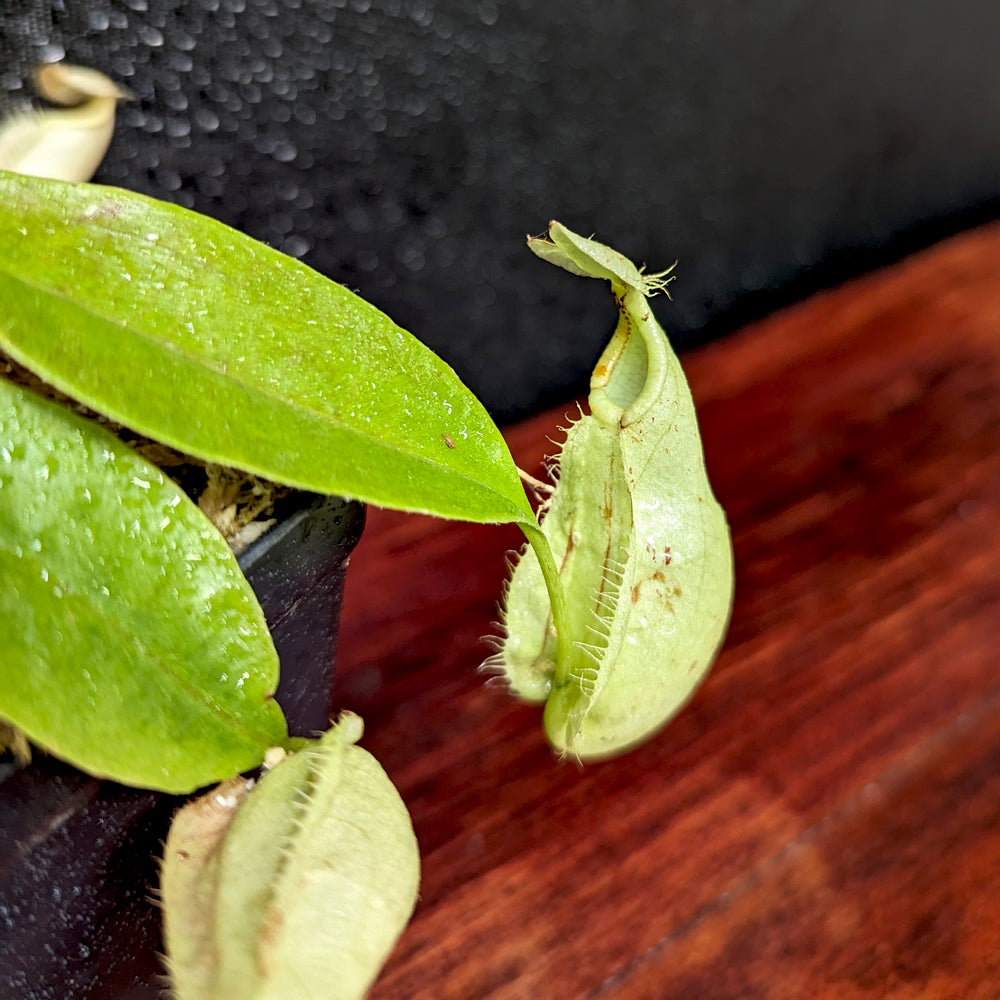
x=557 y=598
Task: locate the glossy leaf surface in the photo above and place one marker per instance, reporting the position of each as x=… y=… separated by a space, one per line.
x=133 y=646
x=218 y=345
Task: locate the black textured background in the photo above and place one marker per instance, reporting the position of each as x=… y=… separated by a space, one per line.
x=405 y=147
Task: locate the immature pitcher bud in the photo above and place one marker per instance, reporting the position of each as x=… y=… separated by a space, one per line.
x=296 y=889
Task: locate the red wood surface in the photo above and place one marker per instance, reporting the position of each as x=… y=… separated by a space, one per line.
x=823 y=819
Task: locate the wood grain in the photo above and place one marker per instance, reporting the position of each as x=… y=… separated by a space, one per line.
x=823 y=819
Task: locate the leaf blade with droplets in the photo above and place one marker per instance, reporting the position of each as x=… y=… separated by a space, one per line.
x=201 y=337
x=134 y=647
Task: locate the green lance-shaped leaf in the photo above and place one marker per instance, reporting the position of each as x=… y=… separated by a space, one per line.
x=132 y=644
x=295 y=890
x=643 y=548
x=201 y=337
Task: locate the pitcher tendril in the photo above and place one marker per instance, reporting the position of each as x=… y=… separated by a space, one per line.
x=616 y=620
